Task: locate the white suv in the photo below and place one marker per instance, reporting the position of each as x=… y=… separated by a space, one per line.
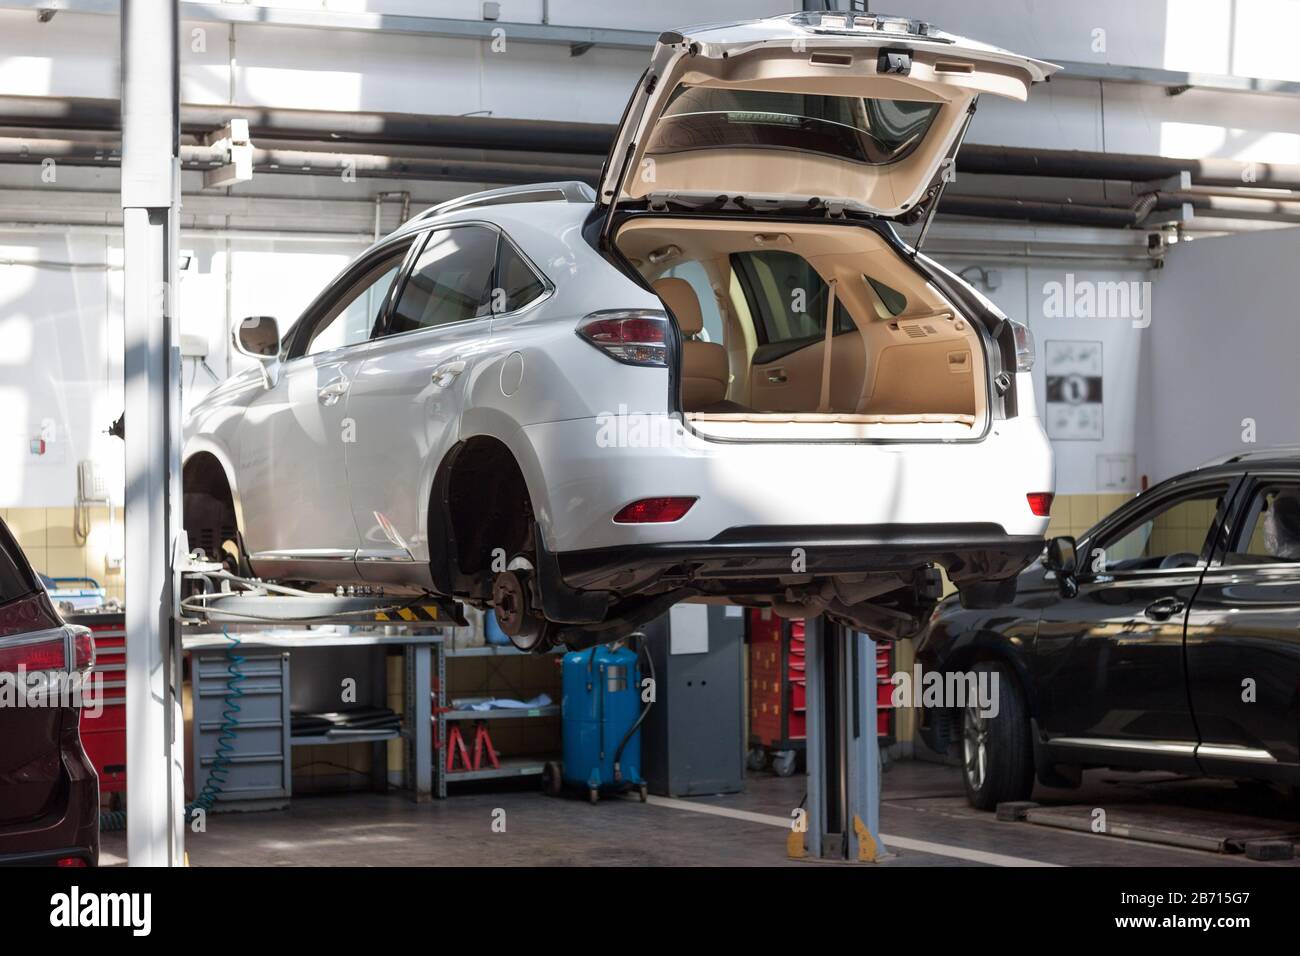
x=722 y=376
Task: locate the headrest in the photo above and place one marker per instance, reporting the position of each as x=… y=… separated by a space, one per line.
x=680 y=297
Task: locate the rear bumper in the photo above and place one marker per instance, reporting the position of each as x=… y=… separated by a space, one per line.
x=969 y=552
x=89 y=855
x=69 y=829
x=966 y=496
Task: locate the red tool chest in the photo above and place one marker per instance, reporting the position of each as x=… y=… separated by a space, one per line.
x=778 y=689
x=104 y=736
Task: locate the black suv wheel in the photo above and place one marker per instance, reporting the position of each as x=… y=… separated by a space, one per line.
x=997 y=753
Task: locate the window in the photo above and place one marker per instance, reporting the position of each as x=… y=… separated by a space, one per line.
x=1171 y=536
x=890 y=302
x=786 y=296
x=875 y=132
x=352 y=316
x=451 y=280
x=1271 y=531
x=516 y=280
x=694 y=273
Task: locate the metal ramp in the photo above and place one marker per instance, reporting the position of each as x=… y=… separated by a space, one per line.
x=1166 y=824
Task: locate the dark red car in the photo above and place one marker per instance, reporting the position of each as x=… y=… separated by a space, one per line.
x=49 y=794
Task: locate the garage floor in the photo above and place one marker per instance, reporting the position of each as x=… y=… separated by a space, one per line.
x=925 y=822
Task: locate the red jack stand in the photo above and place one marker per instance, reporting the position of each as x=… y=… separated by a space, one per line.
x=483 y=742
x=455 y=746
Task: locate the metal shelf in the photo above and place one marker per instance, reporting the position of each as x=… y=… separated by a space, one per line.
x=493 y=650
x=510 y=767
x=520 y=713
x=366 y=738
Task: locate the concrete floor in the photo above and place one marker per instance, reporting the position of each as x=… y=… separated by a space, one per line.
x=925 y=821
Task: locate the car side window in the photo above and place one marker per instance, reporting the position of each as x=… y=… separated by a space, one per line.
x=693 y=272
x=1270 y=533
x=516 y=284
x=1170 y=536
x=451 y=280
x=786 y=297
x=350 y=319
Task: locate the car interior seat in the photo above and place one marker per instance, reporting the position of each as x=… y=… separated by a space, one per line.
x=705 y=373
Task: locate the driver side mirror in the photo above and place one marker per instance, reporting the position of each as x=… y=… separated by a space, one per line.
x=1061 y=559
x=258 y=337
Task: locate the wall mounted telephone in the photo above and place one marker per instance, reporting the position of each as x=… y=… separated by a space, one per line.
x=92 y=489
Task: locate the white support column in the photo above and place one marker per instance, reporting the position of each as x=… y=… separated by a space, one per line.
x=150 y=198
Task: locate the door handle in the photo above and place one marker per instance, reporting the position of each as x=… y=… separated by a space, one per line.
x=776 y=376
x=331 y=392
x=1164 y=609
x=446 y=373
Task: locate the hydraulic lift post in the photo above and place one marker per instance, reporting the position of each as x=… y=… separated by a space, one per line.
x=843 y=758
x=151 y=365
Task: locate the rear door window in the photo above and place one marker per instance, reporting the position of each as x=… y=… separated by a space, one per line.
x=1270 y=533
x=451 y=280
x=786 y=297
x=693 y=272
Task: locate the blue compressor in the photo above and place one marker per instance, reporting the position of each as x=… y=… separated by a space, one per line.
x=602 y=715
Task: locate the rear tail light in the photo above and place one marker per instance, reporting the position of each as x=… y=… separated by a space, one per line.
x=70 y=861
x=34 y=640
x=631 y=336
x=1040 y=503
x=43 y=654
x=654 y=510
x=83 y=651
x=1024 y=340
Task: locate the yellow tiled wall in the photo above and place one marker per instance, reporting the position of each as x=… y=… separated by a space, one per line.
x=1075 y=514
x=46 y=537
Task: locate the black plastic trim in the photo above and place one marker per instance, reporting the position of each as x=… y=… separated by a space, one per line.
x=970 y=552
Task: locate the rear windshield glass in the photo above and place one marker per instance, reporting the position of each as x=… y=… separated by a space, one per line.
x=875 y=132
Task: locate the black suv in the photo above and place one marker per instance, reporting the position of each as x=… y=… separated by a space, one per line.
x=1166 y=638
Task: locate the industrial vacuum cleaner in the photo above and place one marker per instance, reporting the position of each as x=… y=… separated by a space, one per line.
x=603 y=708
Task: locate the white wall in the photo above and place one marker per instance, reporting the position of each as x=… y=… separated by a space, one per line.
x=60 y=365
x=1022 y=294
x=1223 y=347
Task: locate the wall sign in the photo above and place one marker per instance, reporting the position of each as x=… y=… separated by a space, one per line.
x=1074 y=404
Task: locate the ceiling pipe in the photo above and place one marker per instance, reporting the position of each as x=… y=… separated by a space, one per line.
x=14 y=150
x=1075 y=214
x=593 y=139
x=1078 y=164
x=1231 y=207
x=480 y=132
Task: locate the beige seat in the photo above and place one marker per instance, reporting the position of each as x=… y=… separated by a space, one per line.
x=704 y=364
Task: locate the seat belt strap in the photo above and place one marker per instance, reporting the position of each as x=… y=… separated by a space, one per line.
x=825 y=404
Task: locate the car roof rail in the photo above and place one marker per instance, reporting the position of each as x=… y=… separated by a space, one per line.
x=570 y=191
x=1268 y=454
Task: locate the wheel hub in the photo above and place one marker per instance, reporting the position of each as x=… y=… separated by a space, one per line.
x=511 y=602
